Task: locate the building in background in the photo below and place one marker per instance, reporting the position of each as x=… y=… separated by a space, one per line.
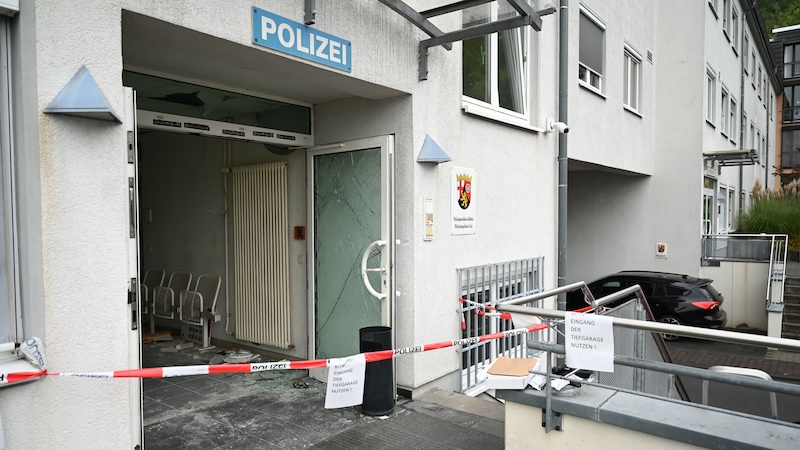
x=786 y=51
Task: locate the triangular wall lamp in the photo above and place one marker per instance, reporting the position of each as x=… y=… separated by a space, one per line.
x=431 y=152
x=81 y=97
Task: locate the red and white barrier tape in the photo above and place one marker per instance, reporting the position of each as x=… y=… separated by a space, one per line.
x=179 y=371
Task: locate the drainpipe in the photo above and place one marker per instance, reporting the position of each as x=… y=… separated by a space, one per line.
x=563 y=83
x=742 y=125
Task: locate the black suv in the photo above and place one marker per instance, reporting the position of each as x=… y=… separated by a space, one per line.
x=673 y=298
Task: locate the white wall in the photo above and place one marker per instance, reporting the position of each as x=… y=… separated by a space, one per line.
x=744 y=288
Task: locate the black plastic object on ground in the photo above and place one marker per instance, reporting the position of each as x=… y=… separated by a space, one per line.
x=378 y=378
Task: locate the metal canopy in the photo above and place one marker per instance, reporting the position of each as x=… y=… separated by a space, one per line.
x=527 y=16
x=735 y=157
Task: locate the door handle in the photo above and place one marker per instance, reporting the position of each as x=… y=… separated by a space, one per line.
x=364 y=269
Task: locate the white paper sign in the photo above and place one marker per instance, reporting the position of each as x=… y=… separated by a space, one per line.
x=589 y=341
x=345 y=381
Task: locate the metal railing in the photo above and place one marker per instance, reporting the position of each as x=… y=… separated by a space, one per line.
x=766 y=248
x=655 y=329
x=482 y=289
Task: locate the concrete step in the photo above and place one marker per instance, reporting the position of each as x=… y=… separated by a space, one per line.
x=791 y=299
x=791 y=289
x=790 y=328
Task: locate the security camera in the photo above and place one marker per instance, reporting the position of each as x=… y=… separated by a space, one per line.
x=561 y=127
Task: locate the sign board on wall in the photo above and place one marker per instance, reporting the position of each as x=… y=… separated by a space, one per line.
x=462 y=203
x=296 y=39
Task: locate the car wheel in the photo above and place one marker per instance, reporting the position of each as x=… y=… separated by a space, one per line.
x=673 y=321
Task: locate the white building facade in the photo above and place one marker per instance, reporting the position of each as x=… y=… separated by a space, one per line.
x=671 y=84
x=387 y=170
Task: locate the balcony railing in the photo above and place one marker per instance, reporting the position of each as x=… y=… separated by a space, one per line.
x=791 y=69
x=791 y=114
x=790 y=159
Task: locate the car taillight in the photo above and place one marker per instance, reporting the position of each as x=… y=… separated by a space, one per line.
x=706 y=305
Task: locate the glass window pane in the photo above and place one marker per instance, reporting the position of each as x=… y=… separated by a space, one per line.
x=475 y=68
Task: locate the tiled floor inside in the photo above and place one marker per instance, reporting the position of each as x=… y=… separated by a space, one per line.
x=285 y=409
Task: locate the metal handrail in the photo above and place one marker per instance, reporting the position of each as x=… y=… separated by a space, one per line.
x=655 y=327
x=665 y=328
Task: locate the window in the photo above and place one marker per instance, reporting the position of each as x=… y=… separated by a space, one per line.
x=745 y=50
x=791 y=104
x=495 y=72
x=763 y=154
x=722 y=209
x=10 y=309
x=790 y=148
x=731 y=209
x=753 y=68
x=744 y=128
x=732 y=121
x=791 y=61
x=711 y=88
x=752 y=136
x=714 y=4
x=591 y=51
x=763 y=96
x=735 y=29
x=757 y=142
x=632 y=79
x=723 y=118
x=759 y=78
x=726 y=18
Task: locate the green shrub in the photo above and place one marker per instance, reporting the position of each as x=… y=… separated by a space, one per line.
x=775 y=212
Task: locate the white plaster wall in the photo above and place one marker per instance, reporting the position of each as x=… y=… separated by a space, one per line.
x=601 y=131
x=76 y=300
x=371 y=27
x=744 y=288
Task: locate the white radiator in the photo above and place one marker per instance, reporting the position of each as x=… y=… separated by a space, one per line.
x=261 y=254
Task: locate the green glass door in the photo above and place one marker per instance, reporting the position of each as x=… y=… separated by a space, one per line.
x=351 y=239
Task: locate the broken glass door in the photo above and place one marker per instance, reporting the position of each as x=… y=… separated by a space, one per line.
x=351 y=240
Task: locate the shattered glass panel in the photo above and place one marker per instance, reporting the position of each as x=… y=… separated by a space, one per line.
x=347 y=201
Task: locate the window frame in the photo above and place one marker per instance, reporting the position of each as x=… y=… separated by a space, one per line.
x=745 y=51
x=10 y=361
x=732 y=122
x=724 y=110
x=493 y=109
x=632 y=65
x=584 y=71
x=735 y=29
x=726 y=18
x=789 y=64
x=711 y=95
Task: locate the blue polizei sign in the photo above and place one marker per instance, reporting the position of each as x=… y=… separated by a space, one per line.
x=287 y=36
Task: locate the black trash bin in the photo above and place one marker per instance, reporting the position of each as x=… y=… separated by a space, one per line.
x=378 y=378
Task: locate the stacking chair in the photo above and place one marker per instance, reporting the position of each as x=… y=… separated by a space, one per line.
x=199 y=306
x=152 y=279
x=164 y=296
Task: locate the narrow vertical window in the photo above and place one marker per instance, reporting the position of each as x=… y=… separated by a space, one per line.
x=711 y=87
x=632 y=79
x=724 y=111
x=735 y=29
x=732 y=122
